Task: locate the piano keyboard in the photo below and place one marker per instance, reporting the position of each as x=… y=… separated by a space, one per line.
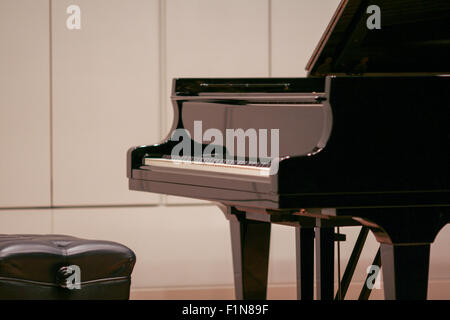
x=210 y=165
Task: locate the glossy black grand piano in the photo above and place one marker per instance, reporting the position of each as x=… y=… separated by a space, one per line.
x=364 y=139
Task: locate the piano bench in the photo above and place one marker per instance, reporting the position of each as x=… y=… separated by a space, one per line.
x=59 y=267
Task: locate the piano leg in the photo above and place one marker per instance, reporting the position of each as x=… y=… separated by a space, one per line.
x=250 y=241
x=304 y=239
x=325 y=262
x=405 y=271
x=405 y=236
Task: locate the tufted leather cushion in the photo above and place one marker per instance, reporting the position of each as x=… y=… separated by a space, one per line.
x=30 y=267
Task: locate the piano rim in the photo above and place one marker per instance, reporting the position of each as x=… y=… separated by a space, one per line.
x=273 y=200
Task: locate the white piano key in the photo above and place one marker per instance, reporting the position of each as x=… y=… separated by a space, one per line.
x=156 y=164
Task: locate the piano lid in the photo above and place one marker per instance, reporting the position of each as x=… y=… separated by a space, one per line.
x=414 y=38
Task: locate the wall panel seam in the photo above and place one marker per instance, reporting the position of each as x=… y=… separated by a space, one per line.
x=50 y=29
x=79 y=207
x=162 y=76
x=270 y=37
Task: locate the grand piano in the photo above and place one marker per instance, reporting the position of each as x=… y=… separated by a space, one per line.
x=364 y=140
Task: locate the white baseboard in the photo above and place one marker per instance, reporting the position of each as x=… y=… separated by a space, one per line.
x=437 y=290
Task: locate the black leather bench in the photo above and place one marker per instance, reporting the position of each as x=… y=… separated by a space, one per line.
x=63 y=267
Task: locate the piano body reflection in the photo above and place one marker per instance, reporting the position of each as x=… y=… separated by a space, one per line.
x=363 y=140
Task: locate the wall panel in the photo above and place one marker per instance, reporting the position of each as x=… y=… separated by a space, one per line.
x=106 y=99
x=297 y=27
x=25 y=222
x=214 y=38
x=24 y=103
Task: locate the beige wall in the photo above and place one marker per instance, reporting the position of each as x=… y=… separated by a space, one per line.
x=72 y=102
x=24 y=103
